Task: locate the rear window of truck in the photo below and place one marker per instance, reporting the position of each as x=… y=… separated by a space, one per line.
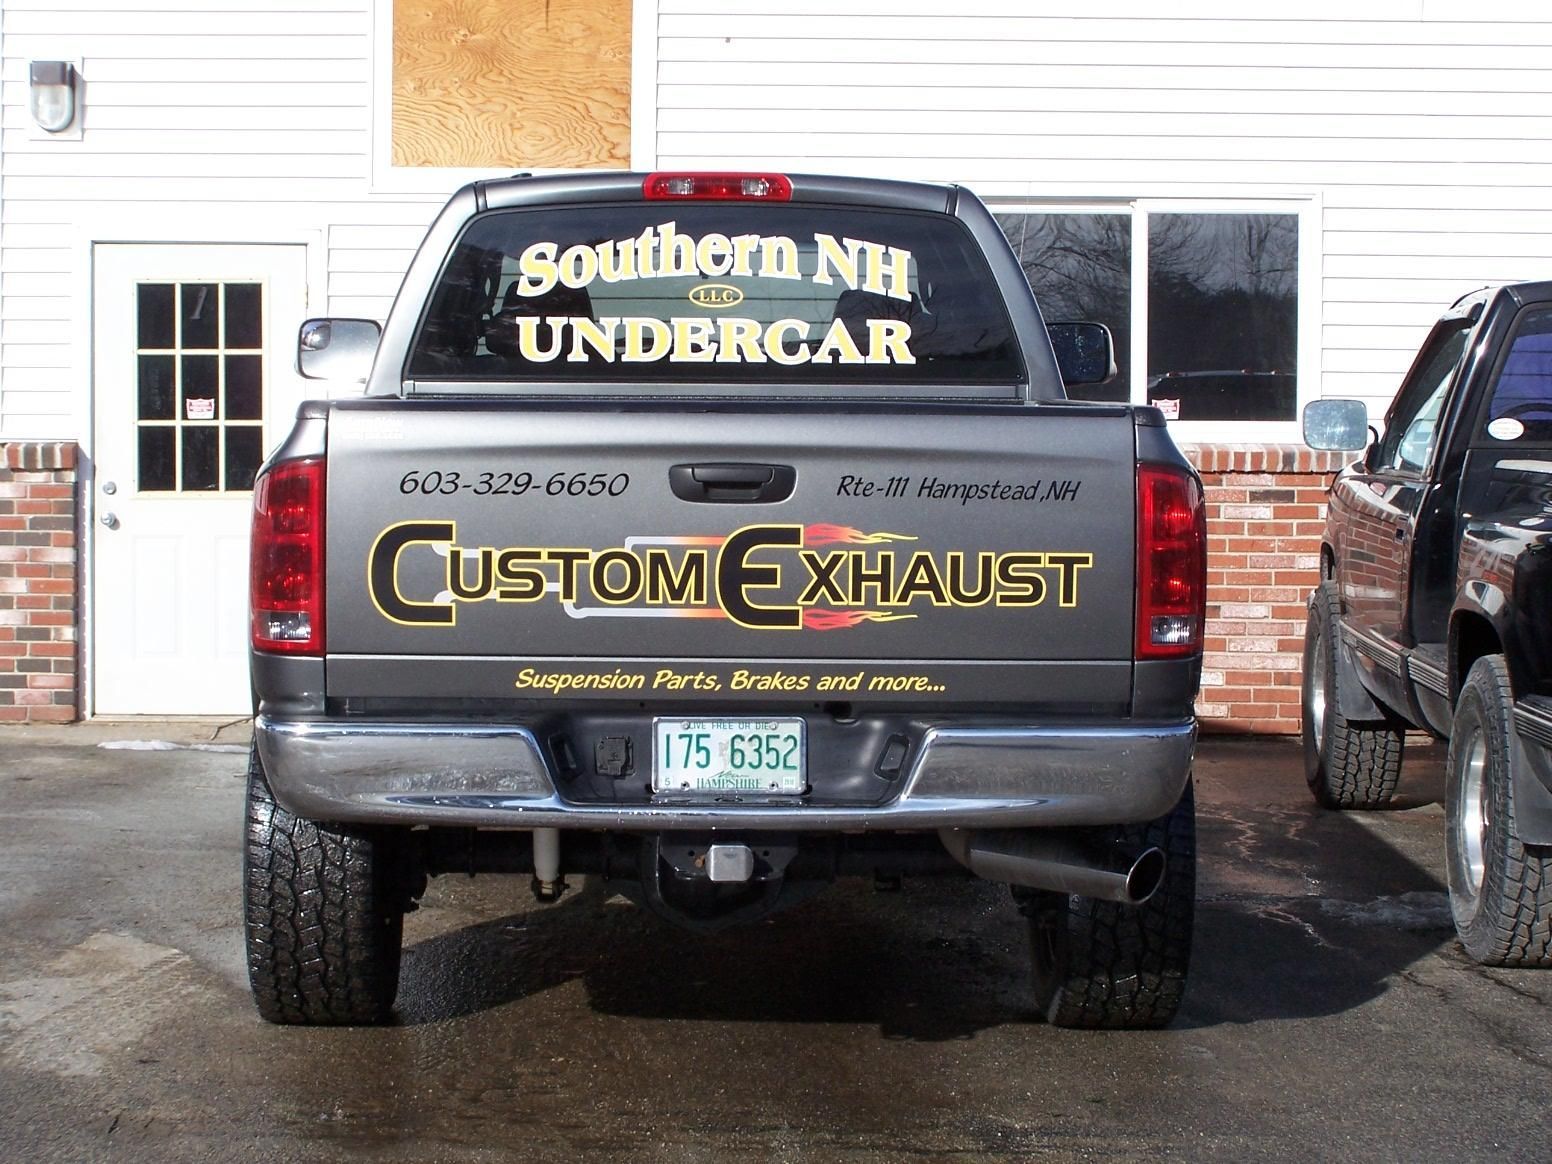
x=711 y=293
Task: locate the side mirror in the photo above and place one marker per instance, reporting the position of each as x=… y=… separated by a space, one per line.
x=1336 y=425
x=337 y=349
x=1085 y=353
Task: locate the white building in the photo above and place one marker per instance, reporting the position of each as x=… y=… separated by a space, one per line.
x=1293 y=193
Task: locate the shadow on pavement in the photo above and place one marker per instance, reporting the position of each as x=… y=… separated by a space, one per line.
x=1301 y=913
x=932 y=962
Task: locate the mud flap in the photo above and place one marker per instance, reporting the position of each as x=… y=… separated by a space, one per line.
x=1532 y=774
x=1352 y=697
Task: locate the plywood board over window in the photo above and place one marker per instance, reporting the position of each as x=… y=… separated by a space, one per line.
x=531 y=84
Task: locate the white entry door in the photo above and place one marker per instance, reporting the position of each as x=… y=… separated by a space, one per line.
x=194 y=383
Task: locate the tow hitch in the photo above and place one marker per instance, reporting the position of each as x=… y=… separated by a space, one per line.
x=706 y=885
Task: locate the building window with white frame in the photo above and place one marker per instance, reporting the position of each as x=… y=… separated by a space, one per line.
x=1206 y=325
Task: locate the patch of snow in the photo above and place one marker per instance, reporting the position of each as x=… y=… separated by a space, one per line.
x=1410 y=911
x=169 y=746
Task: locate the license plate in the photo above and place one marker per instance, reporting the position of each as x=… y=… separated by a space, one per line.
x=757 y=756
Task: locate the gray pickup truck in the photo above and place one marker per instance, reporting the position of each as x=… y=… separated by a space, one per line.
x=717 y=535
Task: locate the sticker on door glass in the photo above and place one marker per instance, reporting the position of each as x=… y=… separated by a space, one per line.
x=1506 y=428
x=200 y=408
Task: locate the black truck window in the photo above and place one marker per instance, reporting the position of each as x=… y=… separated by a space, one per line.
x=1414 y=421
x=716 y=292
x=1520 y=406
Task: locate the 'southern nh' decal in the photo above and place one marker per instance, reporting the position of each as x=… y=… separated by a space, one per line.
x=819 y=577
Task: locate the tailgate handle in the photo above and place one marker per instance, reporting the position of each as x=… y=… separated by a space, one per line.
x=732 y=482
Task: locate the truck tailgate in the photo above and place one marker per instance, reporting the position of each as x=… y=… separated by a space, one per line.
x=956 y=555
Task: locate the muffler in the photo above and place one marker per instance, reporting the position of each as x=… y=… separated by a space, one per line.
x=1060 y=861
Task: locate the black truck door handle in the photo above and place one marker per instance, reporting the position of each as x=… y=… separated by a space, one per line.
x=763 y=484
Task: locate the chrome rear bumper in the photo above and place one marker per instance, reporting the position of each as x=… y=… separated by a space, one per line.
x=496 y=776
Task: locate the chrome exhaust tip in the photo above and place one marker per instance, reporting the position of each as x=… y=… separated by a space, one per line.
x=1058 y=861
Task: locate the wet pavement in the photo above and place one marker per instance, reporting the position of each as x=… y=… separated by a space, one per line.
x=1330 y=1014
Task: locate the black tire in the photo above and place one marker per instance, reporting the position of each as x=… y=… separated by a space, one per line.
x=1500 y=889
x=323 y=915
x=1100 y=964
x=1347 y=765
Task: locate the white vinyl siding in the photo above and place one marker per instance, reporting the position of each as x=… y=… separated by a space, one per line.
x=1417 y=133
x=205 y=123
x=1420 y=132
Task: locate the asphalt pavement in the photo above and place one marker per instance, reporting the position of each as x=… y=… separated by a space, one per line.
x=1330 y=1015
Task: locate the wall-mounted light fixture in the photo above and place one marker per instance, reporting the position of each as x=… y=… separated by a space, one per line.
x=51 y=95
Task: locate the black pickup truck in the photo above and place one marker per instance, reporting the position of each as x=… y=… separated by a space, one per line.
x=715 y=536
x=1435 y=609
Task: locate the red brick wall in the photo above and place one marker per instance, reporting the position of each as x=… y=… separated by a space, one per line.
x=38 y=584
x=1266 y=507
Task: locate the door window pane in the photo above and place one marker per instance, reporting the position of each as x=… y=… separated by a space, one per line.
x=200 y=453
x=1223 y=315
x=243 y=454
x=200 y=311
x=244 y=386
x=158 y=387
x=1080 y=268
x=157 y=459
x=201 y=382
x=199 y=409
x=154 y=315
x=244 y=319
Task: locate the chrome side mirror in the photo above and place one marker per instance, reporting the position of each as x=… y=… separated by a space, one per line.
x=337 y=349
x=1085 y=353
x=1336 y=425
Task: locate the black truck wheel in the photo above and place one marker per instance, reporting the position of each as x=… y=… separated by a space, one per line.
x=323 y=915
x=1101 y=964
x=1500 y=889
x=1347 y=765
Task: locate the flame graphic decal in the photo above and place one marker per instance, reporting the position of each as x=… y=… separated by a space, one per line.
x=816 y=619
x=825 y=534
x=824 y=620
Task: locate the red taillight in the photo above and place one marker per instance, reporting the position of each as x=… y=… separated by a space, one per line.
x=285 y=566
x=1171 y=563
x=723 y=187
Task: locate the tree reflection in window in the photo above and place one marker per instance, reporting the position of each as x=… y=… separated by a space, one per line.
x=1223 y=315
x=1080 y=268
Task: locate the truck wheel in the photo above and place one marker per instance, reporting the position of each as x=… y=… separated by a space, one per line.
x=1101 y=964
x=322 y=915
x=1347 y=766
x=1500 y=890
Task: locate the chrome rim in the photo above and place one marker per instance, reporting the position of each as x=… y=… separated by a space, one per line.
x=1471 y=813
x=1315 y=702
